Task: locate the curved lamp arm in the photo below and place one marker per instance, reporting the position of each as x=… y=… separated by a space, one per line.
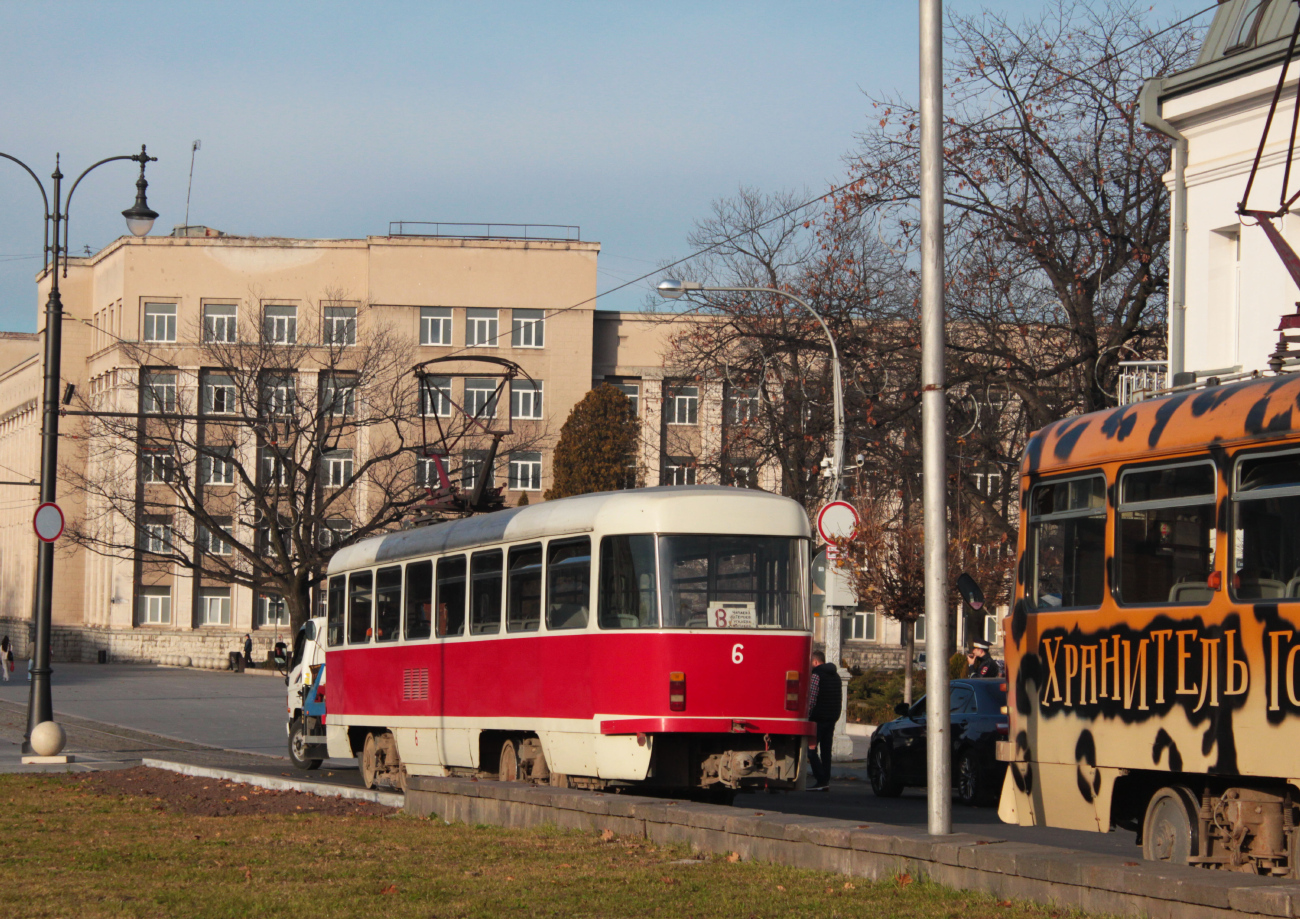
x=44 y=198
x=142 y=158
x=673 y=289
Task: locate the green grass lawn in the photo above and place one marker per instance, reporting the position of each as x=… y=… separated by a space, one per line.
x=69 y=851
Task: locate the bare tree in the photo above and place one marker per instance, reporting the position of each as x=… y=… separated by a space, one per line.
x=250 y=461
x=1057 y=212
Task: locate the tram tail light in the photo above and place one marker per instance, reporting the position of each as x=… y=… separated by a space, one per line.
x=792 y=690
x=677 y=691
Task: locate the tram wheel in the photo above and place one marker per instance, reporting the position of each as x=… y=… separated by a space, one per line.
x=508 y=765
x=1170 y=831
x=369 y=761
x=298 y=746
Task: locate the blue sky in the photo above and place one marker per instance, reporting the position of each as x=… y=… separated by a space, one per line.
x=332 y=119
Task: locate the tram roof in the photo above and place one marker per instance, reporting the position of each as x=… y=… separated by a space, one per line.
x=712 y=509
x=1233 y=413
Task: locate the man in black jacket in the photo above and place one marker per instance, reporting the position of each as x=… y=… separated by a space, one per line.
x=824 y=697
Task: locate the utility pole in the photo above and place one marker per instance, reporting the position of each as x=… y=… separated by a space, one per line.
x=933 y=452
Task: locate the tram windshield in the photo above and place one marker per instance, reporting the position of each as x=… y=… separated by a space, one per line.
x=732 y=582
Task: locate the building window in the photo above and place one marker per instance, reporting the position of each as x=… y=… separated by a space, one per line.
x=158 y=392
x=272 y=611
x=526 y=399
x=280 y=325
x=339 y=325
x=335 y=532
x=918 y=629
x=155 y=606
x=864 y=626
x=340 y=397
x=472 y=466
x=633 y=393
x=215 y=542
x=1245 y=28
x=277 y=395
x=742 y=405
x=991 y=628
x=160 y=322
x=740 y=474
x=338 y=468
x=481 y=398
x=679 y=471
x=481 y=328
x=435 y=325
x=214 y=606
x=525 y=472
x=156 y=535
x=527 y=328
x=426 y=471
x=435 y=397
x=215 y=465
x=683 y=405
x=218 y=394
x=218 y=322
x=157 y=467
x=273 y=467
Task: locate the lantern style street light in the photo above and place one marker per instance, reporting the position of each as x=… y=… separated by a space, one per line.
x=139 y=220
x=672 y=288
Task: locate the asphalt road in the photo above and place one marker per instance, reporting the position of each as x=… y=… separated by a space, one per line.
x=246 y=713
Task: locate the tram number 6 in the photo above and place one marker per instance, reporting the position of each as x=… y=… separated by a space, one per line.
x=737 y=654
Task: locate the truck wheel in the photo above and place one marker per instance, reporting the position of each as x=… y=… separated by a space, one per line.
x=1169 y=831
x=298 y=746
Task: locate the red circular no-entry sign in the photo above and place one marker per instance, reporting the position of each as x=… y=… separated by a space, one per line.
x=48 y=522
x=837 y=521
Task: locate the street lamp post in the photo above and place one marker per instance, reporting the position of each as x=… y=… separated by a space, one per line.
x=833 y=632
x=139 y=220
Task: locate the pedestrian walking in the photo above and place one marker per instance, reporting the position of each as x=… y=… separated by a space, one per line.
x=248 y=650
x=6 y=657
x=824 y=697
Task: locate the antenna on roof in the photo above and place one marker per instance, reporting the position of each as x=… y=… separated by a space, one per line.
x=194 y=148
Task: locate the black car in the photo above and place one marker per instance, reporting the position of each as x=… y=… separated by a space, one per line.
x=897 y=755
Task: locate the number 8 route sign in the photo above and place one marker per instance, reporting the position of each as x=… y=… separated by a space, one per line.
x=48 y=522
x=837 y=521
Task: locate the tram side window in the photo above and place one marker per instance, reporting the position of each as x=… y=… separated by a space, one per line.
x=388 y=604
x=568 y=583
x=485 y=593
x=524 y=597
x=334 y=609
x=419 y=593
x=1067 y=543
x=1166 y=534
x=628 y=596
x=451 y=596
x=359 y=606
x=1266 y=542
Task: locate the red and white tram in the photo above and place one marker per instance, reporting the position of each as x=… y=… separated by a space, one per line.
x=657 y=636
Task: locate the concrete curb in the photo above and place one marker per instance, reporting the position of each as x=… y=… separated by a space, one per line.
x=1044 y=874
x=387 y=798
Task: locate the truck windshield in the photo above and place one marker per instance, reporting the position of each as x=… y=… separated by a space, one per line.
x=733 y=582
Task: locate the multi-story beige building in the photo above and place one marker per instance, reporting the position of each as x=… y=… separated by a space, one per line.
x=142 y=319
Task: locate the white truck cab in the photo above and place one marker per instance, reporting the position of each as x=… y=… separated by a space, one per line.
x=306 y=696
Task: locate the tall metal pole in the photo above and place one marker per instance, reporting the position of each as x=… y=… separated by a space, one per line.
x=40 y=707
x=933 y=459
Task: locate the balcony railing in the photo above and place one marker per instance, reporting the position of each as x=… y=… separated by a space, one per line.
x=1139 y=379
x=538 y=231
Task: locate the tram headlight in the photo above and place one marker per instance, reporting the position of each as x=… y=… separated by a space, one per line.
x=677 y=691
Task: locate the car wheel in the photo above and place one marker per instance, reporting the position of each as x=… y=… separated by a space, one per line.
x=298 y=746
x=880 y=769
x=969 y=781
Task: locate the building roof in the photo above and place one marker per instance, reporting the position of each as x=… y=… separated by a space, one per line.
x=1217 y=416
x=1244 y=36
